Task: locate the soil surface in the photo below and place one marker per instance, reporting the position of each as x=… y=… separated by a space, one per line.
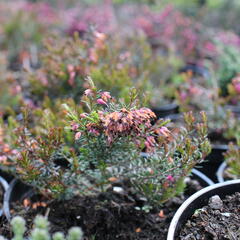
x=109 y=216
x=219 y=220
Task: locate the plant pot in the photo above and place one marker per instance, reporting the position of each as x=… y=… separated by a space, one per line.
x=196 y=70
x=5 y=175
x=201 y=178
x=198 y=200
x=166 y=110
x=235 y=109
x=5 y=186
x=210 y=166
x=220 y=172
x=17 y=191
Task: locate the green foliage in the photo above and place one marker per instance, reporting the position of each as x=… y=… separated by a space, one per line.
x=10 y=91
x=228 y=66
x=232 y=157
x=40 y=230
x=21 y=32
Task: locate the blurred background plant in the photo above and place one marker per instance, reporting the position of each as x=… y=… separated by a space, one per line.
x=232 y=157
x=41 y=230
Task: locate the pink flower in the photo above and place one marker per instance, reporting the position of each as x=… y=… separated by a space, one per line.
x=183 y=96
x=71 y=78
x=237 y=87
x=88 y=92
x=105 y=96
x=170 y=178
x=100 y=101
x=77 y=135
x=94 y=132
x=83 y=115
x=74 y=126
x=70 y=68
x=164 y=131
x=93 y=55
x=3 y=158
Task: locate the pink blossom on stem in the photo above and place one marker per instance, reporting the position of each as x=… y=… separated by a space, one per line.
x=170 y=178
x=78 y=135
x=83 y=115
x=100 y=101
x=88 y=92
x=237 y=88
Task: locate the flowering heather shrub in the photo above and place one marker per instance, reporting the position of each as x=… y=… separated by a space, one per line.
x=232 y=158
x=193 y=94
x=100 y=16
x=10 y=90
x=171 y=30
x=110 y=138
x=234 y=90
x=23 y=26
x=21 y=33
x=64 y=65
x=66 y=62
x=227 y=65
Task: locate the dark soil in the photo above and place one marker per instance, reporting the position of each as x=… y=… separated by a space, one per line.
x=220 y=220
x=109 y=216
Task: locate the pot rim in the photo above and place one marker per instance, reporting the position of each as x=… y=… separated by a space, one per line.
x=220 y=171
x=223 y=147
x=5 y=186
x=202 y=176
x=185 y=205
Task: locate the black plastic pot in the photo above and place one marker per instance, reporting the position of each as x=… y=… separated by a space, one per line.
x=166 y=110
x=234 y=109
x=196 y=70
x=198 y=200
x=17 y=191
x=201 y=178
x=220 y=172
x=210 y=166
x=8 y=177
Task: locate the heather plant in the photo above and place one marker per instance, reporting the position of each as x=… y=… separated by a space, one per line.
x=110 y=64
x=198 y=94
x=114 y=137
x=23 y=26
x=227 y=66
x=66 y=65
x=193 y=93
x=41 y=231
x=232 y=157
x=169 y=29
x=234 y=91
x=22 y=33
x=10 y=91
x=109 y=139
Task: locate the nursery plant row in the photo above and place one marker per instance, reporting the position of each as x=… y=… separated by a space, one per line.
x=118 y=121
